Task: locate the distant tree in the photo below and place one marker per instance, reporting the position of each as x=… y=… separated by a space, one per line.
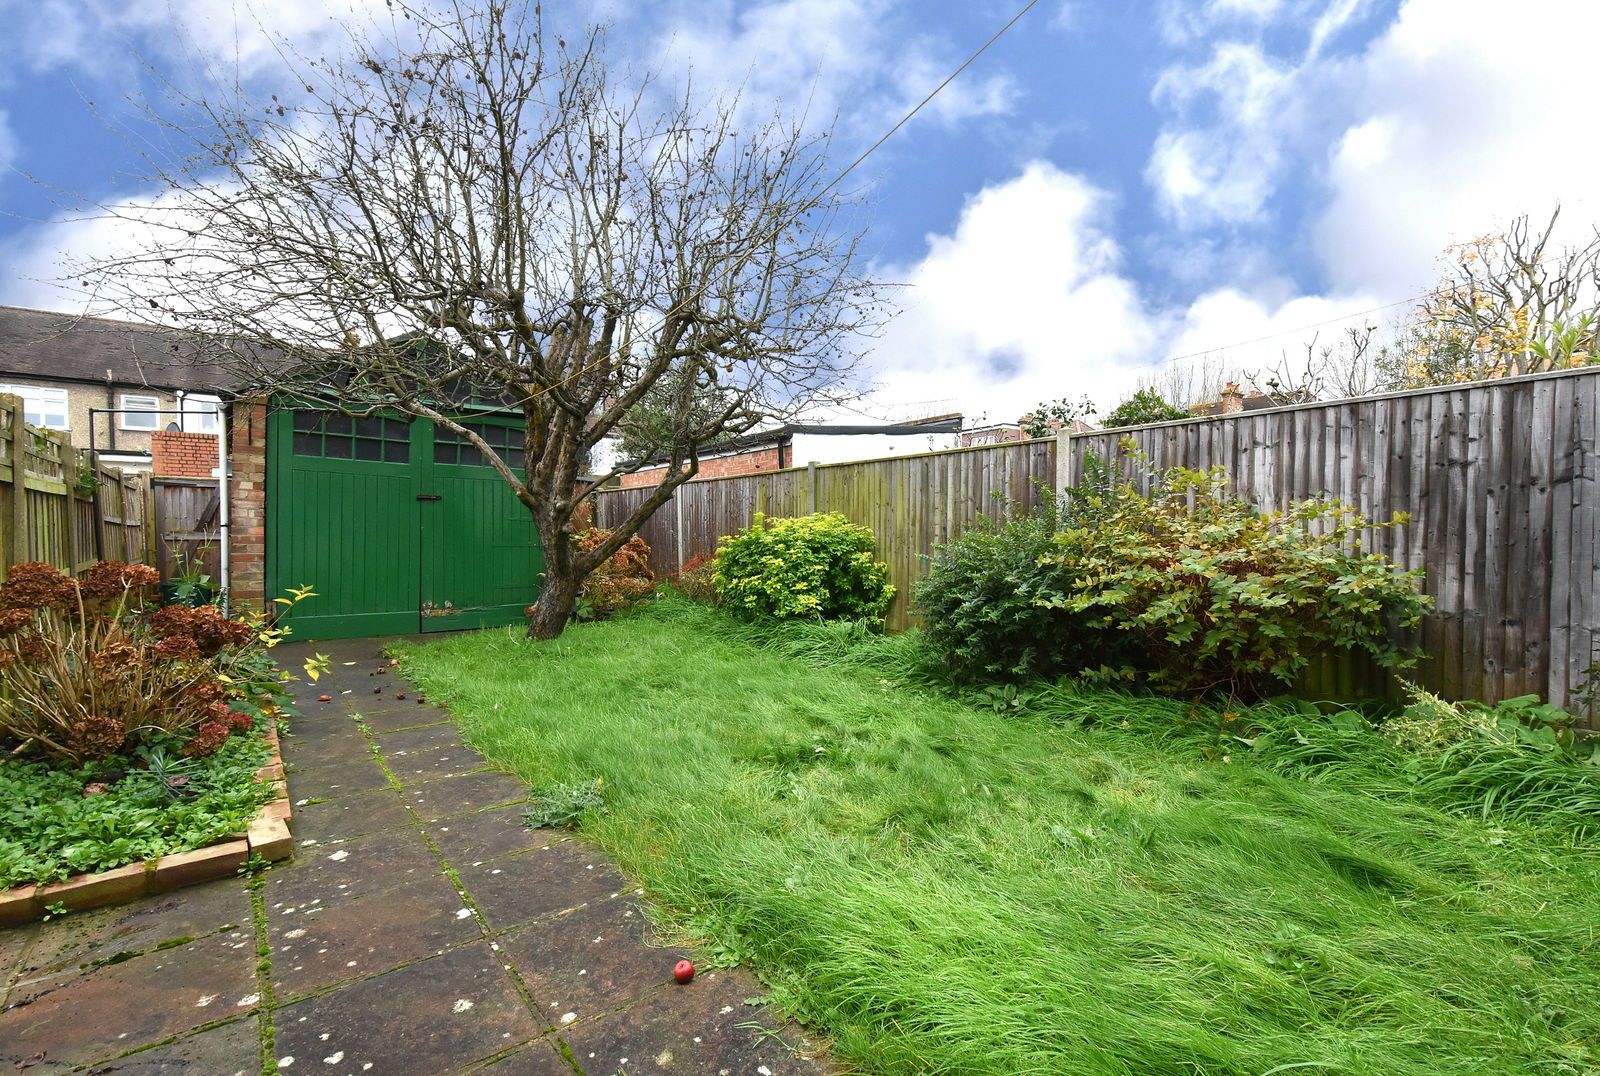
x=600 y=255
x=1051 y=415
x=1145 y=405
x=1508 y=304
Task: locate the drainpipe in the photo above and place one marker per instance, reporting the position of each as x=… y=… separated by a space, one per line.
x=223 y=514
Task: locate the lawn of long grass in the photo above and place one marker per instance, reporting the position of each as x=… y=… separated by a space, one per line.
x=943 y=889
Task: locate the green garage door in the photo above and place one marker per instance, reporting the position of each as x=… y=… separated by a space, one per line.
x=398 y=526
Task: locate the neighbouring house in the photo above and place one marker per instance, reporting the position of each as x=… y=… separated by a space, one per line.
x=1006 y=432
x=798 y=443
x=122 y=389
x=1232 y=399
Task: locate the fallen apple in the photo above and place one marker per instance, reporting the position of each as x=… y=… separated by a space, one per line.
x=683 y=972
x=324 y=698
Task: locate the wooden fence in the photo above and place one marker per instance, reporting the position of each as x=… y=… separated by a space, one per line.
x=912 y=503
x=1499 y=479
x=188 y=535
x=57 y=506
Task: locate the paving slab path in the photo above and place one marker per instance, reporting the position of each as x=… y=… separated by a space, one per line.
x=420 y=928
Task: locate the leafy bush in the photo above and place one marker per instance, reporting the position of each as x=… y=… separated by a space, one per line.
x=810 y=567
x=697 y=579
x=1145 y=405
x=618 y=583
x=985 y=602
x=1221 y=597
x=90 y=672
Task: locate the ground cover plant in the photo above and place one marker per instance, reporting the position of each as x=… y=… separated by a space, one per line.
x=1052 y=886
x=127 y=730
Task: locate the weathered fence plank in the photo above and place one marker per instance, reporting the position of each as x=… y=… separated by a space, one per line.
x=59 y=506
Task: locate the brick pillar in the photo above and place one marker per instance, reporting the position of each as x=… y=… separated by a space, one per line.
x=248 y=504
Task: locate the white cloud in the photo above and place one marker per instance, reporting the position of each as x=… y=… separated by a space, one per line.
x=828 y=56
x=1225 y=169
x=106 y=38
x=8 y=144
x=1024 y=300
x=1467 y=117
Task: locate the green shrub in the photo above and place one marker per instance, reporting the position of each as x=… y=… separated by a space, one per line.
x=1220 y=597
x=811 y=567
x=985 y=603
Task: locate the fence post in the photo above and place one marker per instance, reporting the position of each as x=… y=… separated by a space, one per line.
x=677 y=507
x=811 y=488
x=1066 y=463
x=19 y=483
x=69 y=476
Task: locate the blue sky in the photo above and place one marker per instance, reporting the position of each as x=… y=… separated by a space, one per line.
x=1111 y=186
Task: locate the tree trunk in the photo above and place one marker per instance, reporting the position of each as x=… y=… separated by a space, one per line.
x=555 y=605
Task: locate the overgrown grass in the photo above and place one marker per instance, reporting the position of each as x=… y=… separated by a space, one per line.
x=944 y=889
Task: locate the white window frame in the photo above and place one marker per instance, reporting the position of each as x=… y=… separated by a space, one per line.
x=40 y=403
x=206 y=418
x=125 y=404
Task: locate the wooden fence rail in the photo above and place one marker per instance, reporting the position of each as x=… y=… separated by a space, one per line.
x=1499 y=480
x=59 y=506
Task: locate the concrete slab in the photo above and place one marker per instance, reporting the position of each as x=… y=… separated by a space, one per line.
x=444 y=734
x=703 y=1027
x=465 y=839
x=341 y=779
x=350 y=816
x=530 y=885
x=230 y=1050
x=329 y=943
x=456 y=794
x=425 y=764
x=83 y=1017
x=71 y=943
x=328 y=871
x=590 y=960
x=434 y=1016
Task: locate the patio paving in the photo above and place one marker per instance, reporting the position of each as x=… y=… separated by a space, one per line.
x=420 y=928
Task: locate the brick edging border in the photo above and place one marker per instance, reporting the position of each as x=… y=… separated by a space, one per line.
x=267 y=836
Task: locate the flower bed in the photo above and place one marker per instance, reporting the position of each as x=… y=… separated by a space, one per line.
x=136 y=740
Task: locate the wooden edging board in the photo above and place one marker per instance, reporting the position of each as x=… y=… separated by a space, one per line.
x=267 y=837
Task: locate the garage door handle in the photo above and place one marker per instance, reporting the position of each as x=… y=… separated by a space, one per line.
x=429 y=497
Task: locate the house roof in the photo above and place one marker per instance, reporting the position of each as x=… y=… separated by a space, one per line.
x=65 y=347
x=781 y=434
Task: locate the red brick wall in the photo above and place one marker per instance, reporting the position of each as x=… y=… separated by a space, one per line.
x=247 y=533
x=764 y=459
x=182 y=455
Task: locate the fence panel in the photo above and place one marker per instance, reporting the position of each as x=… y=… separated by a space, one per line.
x=912 y=503
x=58 y=506
x=187 y=534
x=1499 y=482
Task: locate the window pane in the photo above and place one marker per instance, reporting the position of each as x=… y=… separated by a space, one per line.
x=307 y=444
x=306 y=421
x=340 y=424
x=336 y=448
x=369 y=426
x=396 y=452
x=368 y=449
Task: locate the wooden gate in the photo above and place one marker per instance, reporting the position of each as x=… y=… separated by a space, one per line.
x=397 y=527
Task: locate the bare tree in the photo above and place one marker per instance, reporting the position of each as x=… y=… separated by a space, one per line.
x=474 y=207
x=1350 y=366
x=1509 y=303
